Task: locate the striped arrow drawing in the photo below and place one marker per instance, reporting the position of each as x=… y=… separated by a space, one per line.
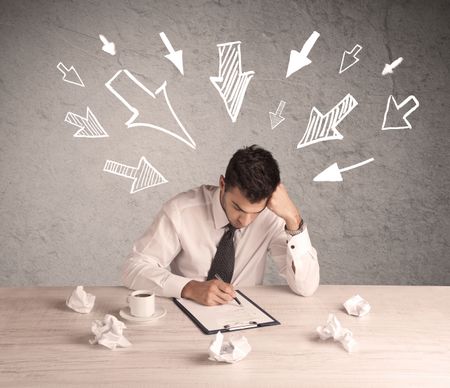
x=333 y=173
x=299 y=59
x=89 y=125
x=176 y=57
x=231 y=83
x=402 y=122
x=144 y=175
x=275 y=118
x=352 y=56
x=323 y=127
x=70 y=75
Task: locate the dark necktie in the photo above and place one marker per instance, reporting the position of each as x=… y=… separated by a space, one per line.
x=223 y=263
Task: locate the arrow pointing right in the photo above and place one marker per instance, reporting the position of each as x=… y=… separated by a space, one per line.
x=144 y=176
x=333 y=173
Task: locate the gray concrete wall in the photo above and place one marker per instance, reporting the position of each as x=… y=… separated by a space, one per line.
x=65 y=222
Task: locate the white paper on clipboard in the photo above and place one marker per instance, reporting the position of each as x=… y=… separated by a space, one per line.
x=228 y=316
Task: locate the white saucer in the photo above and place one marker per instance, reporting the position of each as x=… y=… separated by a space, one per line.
x=159 y=313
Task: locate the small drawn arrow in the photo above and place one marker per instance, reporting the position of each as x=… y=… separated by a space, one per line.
x=351 y=55
x=108 y=47
x=176 y=57
x=70 y=75
x=275 y=118
x=333 y=173
x=144 y=176
x=89 y=126
x=297 y=60
x=402 y=121
x=389 y=69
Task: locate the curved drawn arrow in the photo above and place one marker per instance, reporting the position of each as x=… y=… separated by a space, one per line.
x=333 y=173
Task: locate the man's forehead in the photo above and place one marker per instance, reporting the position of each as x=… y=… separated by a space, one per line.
x=238 y=199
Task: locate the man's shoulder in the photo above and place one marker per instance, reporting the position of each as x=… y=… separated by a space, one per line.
x=198 y=196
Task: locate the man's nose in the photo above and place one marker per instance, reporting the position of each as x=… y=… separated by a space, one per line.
x=245 y=219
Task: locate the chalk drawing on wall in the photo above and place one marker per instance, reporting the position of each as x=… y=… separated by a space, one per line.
x=395 y=114
x=131 y=121
x=88 y=126
x=299 y=59
x=176 y=57
x=108 y=47
x=389 y=68
x=333 y=173
x=323 y=127
x=144 y=175
x=275 y=118
x=70 y=75
x=231 y=83
x=349 y=58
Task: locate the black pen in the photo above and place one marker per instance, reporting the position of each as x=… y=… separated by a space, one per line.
x=236 y=299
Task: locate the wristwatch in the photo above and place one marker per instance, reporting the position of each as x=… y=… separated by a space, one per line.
x=300 y=229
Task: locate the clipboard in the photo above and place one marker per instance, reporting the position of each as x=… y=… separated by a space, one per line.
x=226 y=317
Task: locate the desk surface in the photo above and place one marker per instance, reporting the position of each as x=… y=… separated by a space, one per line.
x=403 y=341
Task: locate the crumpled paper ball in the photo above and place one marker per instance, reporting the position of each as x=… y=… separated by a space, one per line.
x=109 y=332
x=333 y=329
x=231 y=351
x=80 y=301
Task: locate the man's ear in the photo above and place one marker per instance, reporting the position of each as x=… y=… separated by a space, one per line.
x=222 y=182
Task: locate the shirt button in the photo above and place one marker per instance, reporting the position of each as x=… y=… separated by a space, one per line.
x=292 y=246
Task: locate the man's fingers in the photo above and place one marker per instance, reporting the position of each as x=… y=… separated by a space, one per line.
x=226 y=288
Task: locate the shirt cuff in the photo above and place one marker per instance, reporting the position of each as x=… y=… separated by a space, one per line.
x=174 y=285
x=299 y=244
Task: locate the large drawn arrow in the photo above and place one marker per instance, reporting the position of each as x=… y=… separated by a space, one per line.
x=333 y=173
x=231 y=83
x=131 y=121
x=144 y=176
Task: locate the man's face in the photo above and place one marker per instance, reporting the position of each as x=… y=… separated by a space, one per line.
x=239 y=210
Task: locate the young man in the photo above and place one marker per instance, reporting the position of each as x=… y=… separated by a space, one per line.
x=226 y=231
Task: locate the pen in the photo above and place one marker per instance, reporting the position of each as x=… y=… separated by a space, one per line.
x=236 y=299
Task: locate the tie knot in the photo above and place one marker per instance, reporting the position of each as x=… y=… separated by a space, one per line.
x=231 y=229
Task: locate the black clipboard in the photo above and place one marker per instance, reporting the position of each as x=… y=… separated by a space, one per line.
x=264 y=318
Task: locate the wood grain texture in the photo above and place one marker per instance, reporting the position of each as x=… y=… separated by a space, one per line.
x=403 y=342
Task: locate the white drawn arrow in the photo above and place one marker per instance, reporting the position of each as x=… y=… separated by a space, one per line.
x=389 y=69
x=108 y=47
x=351 y=55
x=89 y=125
x=70 y=75
x=323 y=127
x=162 y=89
x=176 y=57
x=396 y=116
x=333 y=173
x=275 y=118
x=231 y=83
x=297 y=59
x=144 y=176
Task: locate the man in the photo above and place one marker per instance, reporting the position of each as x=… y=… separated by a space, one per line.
x=212 y=233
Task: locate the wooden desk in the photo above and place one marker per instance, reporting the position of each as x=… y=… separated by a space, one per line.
x=404 y=341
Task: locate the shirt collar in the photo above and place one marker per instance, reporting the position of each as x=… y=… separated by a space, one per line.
x=220 y=217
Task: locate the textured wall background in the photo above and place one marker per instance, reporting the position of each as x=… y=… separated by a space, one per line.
x=65 y=222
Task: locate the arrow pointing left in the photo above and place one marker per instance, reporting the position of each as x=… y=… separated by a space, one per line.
x=299 y=59
x=333 y=173
x=70 y=75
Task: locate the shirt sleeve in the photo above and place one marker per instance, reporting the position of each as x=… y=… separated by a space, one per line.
x=147 y=267
x=285 y=250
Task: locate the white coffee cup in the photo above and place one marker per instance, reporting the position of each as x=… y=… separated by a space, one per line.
x=141 y=303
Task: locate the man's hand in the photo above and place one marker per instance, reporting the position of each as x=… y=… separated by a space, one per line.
x=210 y=293
x=283 y=207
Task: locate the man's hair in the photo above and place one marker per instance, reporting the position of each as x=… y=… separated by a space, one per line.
x=254 y=171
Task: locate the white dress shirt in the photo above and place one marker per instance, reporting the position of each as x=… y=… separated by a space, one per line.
x=181 y=243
